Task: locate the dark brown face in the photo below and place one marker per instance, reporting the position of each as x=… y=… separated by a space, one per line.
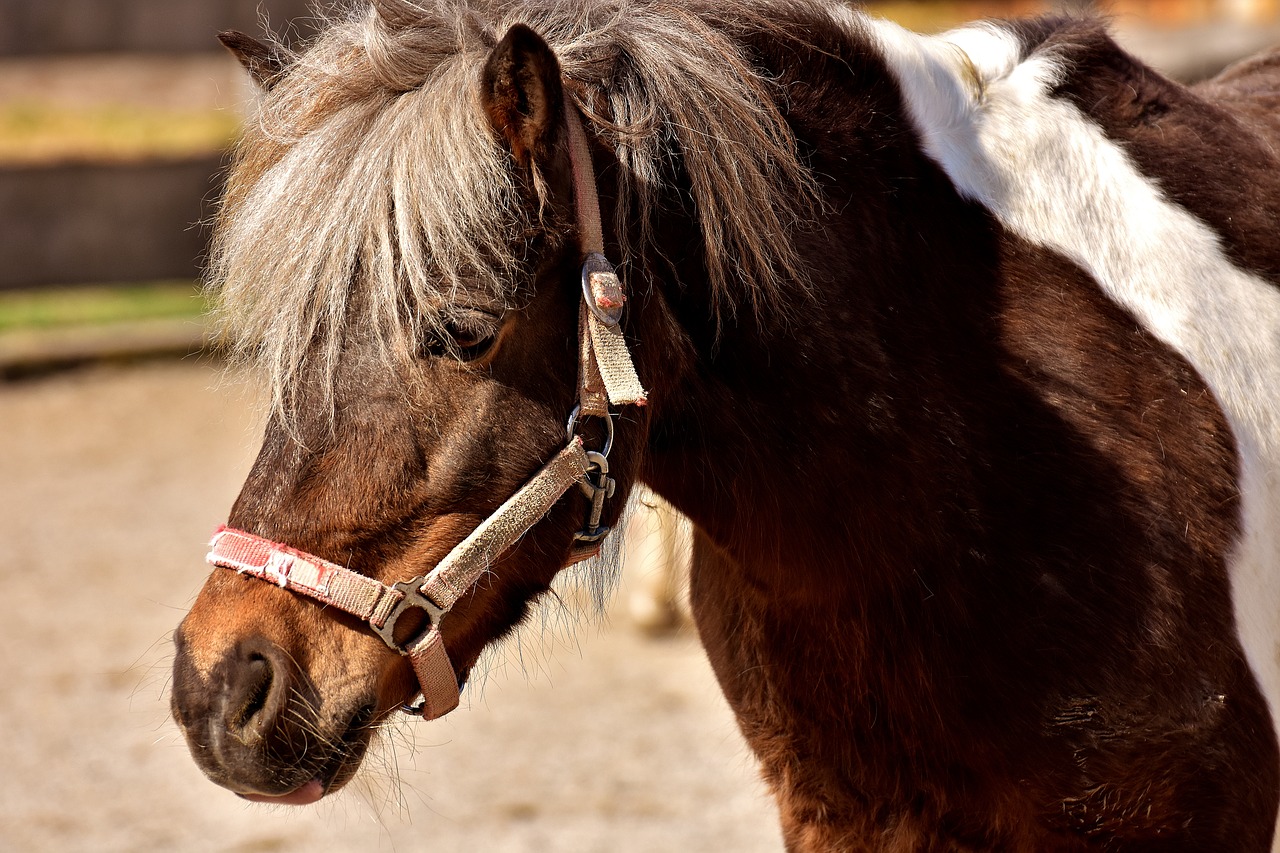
x=277 y=695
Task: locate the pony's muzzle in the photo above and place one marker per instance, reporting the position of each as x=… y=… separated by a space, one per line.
x=242 y=719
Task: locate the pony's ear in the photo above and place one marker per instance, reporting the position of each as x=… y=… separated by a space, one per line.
x=266 y=63
x=522 y=93
x=397 y=13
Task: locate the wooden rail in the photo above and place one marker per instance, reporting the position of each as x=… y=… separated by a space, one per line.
x=102 y=222
x=33 y=27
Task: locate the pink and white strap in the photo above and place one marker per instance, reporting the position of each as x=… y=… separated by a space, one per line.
x=434 y=594
x=606 y=376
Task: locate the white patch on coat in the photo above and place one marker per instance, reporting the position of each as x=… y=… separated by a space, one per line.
x=1050 y=175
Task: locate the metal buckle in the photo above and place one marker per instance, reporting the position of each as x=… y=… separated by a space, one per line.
x=597 y=486
x=413 y=598
x=601 y=289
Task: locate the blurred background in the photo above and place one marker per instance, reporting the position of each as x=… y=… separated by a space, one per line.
x=115 y=116
x=123 y=442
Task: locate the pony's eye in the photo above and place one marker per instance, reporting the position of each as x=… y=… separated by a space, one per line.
x=465 y=336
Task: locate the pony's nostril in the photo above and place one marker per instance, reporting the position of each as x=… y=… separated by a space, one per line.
x=254 y=696
x=256 y=688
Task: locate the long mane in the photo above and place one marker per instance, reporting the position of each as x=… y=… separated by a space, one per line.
x=369 y=188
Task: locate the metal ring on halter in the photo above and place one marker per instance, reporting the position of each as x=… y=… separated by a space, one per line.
x=571 y=430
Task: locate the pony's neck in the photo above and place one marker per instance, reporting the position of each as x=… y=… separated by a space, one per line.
x=823 y=425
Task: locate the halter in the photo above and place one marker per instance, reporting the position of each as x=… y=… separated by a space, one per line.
x=606 y=376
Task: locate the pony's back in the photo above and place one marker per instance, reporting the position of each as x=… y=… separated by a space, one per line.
x=1251 y=89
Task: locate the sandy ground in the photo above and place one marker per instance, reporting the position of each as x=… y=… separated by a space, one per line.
x=111 y=479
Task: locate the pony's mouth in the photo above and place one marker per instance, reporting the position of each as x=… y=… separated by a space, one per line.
x=304 y=796
x=340 y=768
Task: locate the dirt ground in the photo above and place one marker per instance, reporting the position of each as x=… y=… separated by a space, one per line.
x=111 y=479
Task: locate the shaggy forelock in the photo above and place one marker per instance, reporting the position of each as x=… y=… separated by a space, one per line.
x=370 y=188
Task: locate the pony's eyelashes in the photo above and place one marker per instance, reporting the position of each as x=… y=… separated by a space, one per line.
x=464 y=334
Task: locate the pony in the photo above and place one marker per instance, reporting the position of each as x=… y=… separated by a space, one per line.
x=960 y=352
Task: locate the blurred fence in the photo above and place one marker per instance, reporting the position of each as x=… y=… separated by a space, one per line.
x=33 y=27
x=87 y=222
x=90 y=221
x=100 y=222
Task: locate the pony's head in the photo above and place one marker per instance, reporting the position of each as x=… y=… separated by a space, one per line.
x=400 y=248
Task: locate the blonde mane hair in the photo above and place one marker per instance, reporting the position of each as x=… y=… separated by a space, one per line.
x=369 y=188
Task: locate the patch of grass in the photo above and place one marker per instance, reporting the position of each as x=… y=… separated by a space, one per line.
x=33 y=132
x=99 y=304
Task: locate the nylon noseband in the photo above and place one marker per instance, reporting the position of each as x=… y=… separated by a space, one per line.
x=606 y=376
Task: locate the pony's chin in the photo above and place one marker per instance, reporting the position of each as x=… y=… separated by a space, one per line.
x=341 y=771
x=309 y=793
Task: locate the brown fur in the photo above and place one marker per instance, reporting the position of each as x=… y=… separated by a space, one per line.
x=963 y=523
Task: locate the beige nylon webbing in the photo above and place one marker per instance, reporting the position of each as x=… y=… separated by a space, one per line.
x=613 y=363
x=436 y=678
x=593 y=396
x=471 y=557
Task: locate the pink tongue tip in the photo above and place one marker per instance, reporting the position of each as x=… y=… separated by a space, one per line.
x=304 y=796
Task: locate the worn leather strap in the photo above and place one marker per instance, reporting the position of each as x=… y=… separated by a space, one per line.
x=606 y=373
